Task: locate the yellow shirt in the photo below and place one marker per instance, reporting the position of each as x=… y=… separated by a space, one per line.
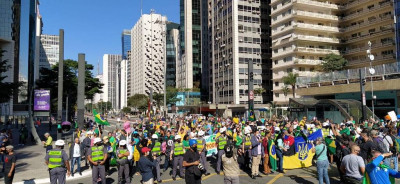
x=236 y=120
x=49 y=141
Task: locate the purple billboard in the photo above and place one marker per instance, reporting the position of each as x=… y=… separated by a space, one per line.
x=41 y=101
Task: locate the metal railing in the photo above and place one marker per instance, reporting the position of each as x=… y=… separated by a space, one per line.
x=382 y=72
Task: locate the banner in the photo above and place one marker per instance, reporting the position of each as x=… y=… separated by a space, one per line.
x=211 y=145
x=303 y=155
x=41 y=100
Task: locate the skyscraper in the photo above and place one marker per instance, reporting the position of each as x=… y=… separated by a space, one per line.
x=190 y=32
x=126 y=43
x=110 y=78
x=172 y=52
x=238 y=32
x=48 y=53
x=148 y=54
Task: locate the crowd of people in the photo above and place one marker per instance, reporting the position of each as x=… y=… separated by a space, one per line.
x=365 y=152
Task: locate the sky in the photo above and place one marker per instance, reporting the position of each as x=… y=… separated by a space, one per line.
x=94 y=27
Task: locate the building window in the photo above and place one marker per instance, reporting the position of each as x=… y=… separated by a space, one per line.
x=277 y=95
x=276 y=83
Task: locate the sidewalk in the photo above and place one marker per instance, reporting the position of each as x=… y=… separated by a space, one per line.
x=31 y=167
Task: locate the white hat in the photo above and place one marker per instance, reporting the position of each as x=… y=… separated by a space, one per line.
x=96 y=140
x=154 y=136
x=122 y=142
x=89 y=132
x=246 y=131
x=277 y=129
x=325 y=124
x=192 y=134
x=60 y=143
x=177 y=137
x=222 y=130
x=200 y=133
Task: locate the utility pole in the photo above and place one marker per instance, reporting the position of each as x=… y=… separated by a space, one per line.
x=60 y=80
x=363 y=99
x=251 y=91
x=372 y=72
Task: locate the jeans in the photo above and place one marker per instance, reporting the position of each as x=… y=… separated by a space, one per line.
x=395 y=163
x=279 y=154
x=166 y=162
x=322 y=168
x=73 y=160
x=387 y=161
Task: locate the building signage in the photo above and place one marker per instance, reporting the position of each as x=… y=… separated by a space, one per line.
x=296 y=109
x=41 y=100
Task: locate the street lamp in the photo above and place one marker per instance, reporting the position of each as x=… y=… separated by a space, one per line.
x=372 y=72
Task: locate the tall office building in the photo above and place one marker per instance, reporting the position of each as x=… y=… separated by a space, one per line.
x=126 y=43
x=129 y=81
x=148 y=54
x=305 y=31
x=205 y=70
x=238 y=32
x=9 y=44
x=110 y=78
x=172 y=52
x=48 y=53
x=190 y=32
x=99 y=97
x=122 y=84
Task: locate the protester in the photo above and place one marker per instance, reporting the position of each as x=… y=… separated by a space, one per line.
x=230 y=166
x=48 y=144
x=257 y=152
x=377 y=172
x=146 y=166
x=9 y=167
x=322 y=161
x=75 y=153
x=353 y=166
x=191 y=161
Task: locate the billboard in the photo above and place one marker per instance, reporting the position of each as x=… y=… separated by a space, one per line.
x=41 y=100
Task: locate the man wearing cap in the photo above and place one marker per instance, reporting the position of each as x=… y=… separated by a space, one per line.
x=221 y=142
x=191 y=161
x=123 y=163
x=169 y=139
x=9 y=165
x=57 y=162
x=177 y=152
x=146 y=166
x=48 y=144
x=201 y=148
x=156 y=151
x=246 y=146
x=97 y=156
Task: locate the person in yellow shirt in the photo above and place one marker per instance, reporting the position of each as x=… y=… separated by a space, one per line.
x=48 y=144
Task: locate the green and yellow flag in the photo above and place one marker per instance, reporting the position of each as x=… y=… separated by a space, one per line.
x=331 y=145
x=98 y=119
x=272 y=154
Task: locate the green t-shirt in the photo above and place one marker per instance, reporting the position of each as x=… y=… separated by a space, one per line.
x=318 y=150
x=186 y=144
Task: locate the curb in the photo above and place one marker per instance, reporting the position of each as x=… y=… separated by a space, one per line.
x=47 y=180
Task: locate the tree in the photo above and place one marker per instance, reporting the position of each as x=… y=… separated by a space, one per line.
x=7 y=88
x=159 y=99
x=259 y=91
x=285 y=90
x=48 y=80
x=290 y=79
x=333 y=62
x=103 y=106
x=138 y=101
x=172 y=94
x=126 y=110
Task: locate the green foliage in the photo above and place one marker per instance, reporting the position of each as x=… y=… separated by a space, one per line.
x=333 y=62
x=172 y=94
x=49 y=80
x=103 y=107
x=158 y=98
x=290 y=79
x=138 y=101
x=7 y=88
x=259 y=91
x=285 y=90
x=126 y=110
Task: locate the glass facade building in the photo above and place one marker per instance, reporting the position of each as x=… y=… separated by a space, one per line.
x=126 y=43
x=172 y=54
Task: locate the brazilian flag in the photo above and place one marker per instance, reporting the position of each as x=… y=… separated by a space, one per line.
x=272 y=154
x=397 y=142
x=98 y=119
x=331 y=145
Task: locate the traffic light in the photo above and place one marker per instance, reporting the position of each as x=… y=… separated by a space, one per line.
x=363 y=82
x=251 y=76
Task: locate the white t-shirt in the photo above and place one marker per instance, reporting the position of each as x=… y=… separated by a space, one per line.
x=77 y=151
x=130 y=149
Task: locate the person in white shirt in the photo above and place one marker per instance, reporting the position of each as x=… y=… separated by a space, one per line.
x=75 y=153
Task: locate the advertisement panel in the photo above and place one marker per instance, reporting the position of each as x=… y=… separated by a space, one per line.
x=41 y=100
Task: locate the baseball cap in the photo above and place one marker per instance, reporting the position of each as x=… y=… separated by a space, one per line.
x=145 y=149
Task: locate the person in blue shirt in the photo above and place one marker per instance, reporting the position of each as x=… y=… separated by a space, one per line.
x=378 y=173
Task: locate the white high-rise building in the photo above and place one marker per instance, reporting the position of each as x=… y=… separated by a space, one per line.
x=110 y=78
x=148 y=54
x=122 y=85
x=238 y=32
x=98 y=96
x=48 y=51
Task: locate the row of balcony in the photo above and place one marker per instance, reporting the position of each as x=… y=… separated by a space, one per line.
x=279 y=75
x=368 y=23
x=367 y=11
x=301 y=62
x=374 y=46
x=369 y=35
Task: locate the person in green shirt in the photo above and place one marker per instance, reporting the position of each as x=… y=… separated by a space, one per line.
x=322 y=160
x=186 y=142
x=48 y=144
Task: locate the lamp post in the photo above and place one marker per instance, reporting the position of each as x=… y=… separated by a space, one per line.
x=372 y=72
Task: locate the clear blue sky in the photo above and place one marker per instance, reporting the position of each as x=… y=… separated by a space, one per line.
x=94 y=27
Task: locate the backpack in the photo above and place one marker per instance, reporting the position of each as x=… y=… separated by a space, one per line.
x=380 y=145
x=394 y=149
x=341 y=153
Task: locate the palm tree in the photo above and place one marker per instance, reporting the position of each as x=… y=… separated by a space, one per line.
x=285 y=90
x=290 y=79
x=259 y=91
